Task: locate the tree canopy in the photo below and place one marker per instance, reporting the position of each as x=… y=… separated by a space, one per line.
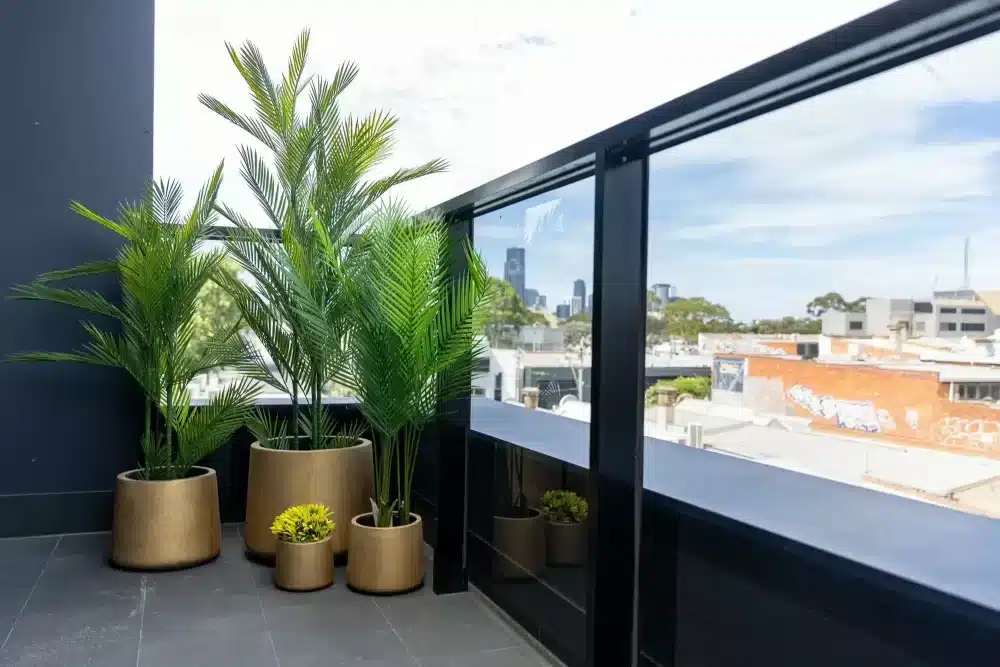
x=508 y=314
x=686 y=318
x=836 y=302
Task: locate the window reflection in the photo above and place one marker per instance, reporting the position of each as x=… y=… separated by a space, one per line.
x=822 y=294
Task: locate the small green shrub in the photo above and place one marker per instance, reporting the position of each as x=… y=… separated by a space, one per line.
x=696 y=387
x=563 y=507
x=303 y=523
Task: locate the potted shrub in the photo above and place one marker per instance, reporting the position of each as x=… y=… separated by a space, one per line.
x=166 y=512
x=518 y=530
x=314 y=189
x=303 y=559
x=565 y=515
x=416 y=340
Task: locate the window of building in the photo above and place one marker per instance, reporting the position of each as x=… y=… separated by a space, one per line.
x=948 y=311
x=855 y=325
x=973 y=326
x=973 y=311
x=923 y=307
x=977 y=391
x=919 y=326
x=947 y=326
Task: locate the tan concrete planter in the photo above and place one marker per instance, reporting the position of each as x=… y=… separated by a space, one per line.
x=166 y=525
x=306 y=566
x=520 y=542
x=341 y=479
x=565 y=543
x=386 y=560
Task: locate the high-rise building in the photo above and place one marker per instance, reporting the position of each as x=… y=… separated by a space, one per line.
x=530 y=297
x=590 y=303
x=541 y=302
x=562 y=311
x=580 y=290
x=576 y=305
x=513 y=270
x=661 y=291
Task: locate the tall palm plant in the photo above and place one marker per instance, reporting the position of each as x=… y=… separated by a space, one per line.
x=161 y=270
x=318 y=178
x=416 y=343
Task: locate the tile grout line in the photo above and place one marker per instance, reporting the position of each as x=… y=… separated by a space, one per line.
x=142 y=617
x=30 y=593
x=385 y=616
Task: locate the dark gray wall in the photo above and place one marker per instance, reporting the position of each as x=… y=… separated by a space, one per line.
x=76 y=122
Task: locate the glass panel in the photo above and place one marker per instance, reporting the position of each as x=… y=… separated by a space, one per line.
x=540 y=256
x=861 y=221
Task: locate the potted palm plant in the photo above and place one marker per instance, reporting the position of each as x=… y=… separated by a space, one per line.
x=518 y=529
x=166 y=512
x=304 y=559
x=565 y=515
x=416 y=340
x=317 y=178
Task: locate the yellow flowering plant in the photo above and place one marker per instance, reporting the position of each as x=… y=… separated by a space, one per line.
x=303 y=523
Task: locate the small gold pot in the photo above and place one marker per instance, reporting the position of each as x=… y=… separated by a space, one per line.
x=386 y=560
x=163 y=525
x=520 y=543
x=565 y=543
x=341 y=479
x=305 y=566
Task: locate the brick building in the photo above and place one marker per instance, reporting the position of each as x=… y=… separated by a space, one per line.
x=950 y=407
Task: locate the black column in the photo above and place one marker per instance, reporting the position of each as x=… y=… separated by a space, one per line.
x=76 y=122
x=450 y=572
x=616 y=431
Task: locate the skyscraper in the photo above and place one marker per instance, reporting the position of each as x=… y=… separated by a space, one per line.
x=580 y=290
x=590 y=303
x=576 y=306
x=513 y=270
x=530 y=297
x=562 y=311
x=662 y=292
x=541 y=303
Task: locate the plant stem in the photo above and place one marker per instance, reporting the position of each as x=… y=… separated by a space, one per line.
x=295 y=392
x=317 y=401
x=410 y=450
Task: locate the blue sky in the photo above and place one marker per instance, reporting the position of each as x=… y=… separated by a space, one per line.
x=867 y=190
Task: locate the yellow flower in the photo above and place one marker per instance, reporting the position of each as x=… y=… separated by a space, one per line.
x=303 y=523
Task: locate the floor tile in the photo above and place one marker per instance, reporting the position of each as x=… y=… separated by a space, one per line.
x=208 y=641
x=506 y=657
x=106 y=636
x=446 y=625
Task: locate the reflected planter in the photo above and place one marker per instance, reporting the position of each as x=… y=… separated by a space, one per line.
x=165 y=525
x=303 y=566
x=341 y=479
x=520 y=543
x=386 y=561
x=565 y=543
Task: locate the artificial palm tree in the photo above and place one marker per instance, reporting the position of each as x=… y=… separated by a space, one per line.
x=416 y=342
x=161 y=269
x=317 y=180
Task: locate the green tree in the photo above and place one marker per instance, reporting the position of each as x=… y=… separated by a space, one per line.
x=653 y=302
x=577 y=340
x=695 y=387
x=508 y=314
x=836 y=302
x=656 y=330
x=785 y=325
x=686 y=318
x=217 y=310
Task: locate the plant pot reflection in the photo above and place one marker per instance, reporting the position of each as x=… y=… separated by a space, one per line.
x=306 y=566
x=565 y=543
x=520 y=545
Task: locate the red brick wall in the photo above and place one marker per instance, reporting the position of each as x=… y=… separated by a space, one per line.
x=908 y=407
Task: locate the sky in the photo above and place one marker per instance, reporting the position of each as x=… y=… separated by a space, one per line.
x=865 y=190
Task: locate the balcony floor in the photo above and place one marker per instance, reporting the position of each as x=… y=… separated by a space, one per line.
x=61 y=605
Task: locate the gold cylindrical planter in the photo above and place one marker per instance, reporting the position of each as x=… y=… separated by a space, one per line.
x=386 y=560
x=341 y=479
x=166 y=525
x=520 y=542
x=306 y=566
x=565 y=543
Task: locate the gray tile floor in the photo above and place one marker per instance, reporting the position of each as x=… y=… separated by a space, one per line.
x=61 y=605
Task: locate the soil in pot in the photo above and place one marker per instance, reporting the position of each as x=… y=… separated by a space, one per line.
x=163 y=525
x=303 y=566
x=520 y=543
x=386 y=561
x=278 y=479
x=565 y=543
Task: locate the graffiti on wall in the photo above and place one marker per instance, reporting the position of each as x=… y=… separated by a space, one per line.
x=728 y=374
x=854 y=415
x=967 y=433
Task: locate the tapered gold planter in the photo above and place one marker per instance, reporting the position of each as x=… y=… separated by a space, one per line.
x=166 y=525
x=386 y=560
x=341 y=479
x=565 y=543
x=304 y=566
x=521 y=545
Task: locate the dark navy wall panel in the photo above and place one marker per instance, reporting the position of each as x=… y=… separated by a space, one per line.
x=76 y=122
